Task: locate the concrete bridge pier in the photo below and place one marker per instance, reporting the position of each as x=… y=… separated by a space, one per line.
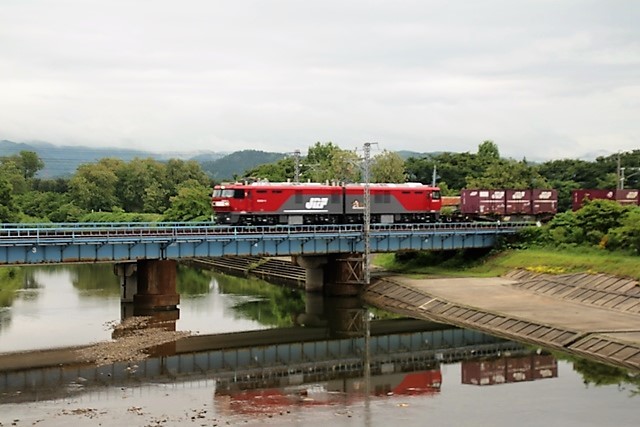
x=127 y=272
x=344 y=275
x=157 y=288
x=314 y=266
x=333 y=274
x=147 y=285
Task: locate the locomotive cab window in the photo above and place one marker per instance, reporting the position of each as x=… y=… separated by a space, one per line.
x=435 y=195
x=238 y=194
x=223 y=193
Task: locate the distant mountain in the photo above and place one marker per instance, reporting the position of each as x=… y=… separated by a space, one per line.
x=62 y=161
x=237 y=163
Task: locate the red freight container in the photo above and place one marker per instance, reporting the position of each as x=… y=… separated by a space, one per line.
x=580 y=195
x=519 y=369
x=627 y=196
x=544 y=366
x=544 y=202
x=518 y=202
x=483 y=202
x=509 y=369
x=486 y=372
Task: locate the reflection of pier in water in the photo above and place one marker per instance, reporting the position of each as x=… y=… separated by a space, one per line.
x=258 y=359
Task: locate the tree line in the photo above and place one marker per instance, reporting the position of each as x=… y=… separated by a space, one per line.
x=107 y=190
x=177 y=190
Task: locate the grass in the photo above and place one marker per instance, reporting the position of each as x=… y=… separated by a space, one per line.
x=549 y=260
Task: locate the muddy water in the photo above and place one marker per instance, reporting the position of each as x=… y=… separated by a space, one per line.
x=60 y=306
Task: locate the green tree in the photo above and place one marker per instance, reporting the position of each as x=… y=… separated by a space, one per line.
x=7 y=208
x=192 y=203
x=321 y=153
x=597 y=217
x=488 y=152
x=564 y=229
x=178 y=172
x=627 y=235
x=452 y=169
x=93 y=187
x=279 y=171
x=40 y=204
x=29 y=163
x=388 y=166
x=508 y=174
x=11 y=172
x=135 y=179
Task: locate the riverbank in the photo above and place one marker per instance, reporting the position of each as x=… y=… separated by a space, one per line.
x=589 y=315
x=539 y=260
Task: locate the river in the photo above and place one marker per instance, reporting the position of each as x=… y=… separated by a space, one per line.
x=58 y=306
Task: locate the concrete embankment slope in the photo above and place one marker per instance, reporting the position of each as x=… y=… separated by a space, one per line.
x=594 y=316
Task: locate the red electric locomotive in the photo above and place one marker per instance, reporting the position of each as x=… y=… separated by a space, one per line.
x=312 y=203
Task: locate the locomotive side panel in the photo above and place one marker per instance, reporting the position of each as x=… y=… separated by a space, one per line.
x=394 y=203
x=325 y=200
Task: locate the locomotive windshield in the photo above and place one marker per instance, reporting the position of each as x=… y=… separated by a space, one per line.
x=225 y=193
x=435 y=195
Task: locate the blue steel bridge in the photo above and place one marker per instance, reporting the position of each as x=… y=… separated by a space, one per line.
x=120 y=242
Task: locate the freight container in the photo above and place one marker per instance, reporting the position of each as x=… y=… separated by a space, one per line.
x=518 y=202
x=509 y=369
x=484 y=372
x=627 y=196
x=579 y=196
x=544 y=366
x=544 y=202
x=483 y=202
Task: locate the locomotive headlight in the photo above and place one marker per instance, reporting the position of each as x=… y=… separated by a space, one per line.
x=221 y=203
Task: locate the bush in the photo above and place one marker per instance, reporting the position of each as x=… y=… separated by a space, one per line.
x=627 y=236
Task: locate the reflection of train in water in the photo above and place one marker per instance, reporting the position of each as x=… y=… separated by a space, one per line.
x=263 y=400
x=509 y=369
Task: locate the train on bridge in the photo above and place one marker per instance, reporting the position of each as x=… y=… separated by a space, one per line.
x=314 y=203
x=289 y=203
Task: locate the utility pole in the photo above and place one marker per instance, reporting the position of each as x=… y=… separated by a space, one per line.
x=619 y=172
x=296 y=171
x=366 y=270
x=367 y=214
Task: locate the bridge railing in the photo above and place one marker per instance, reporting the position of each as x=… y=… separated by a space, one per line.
x=115 y=230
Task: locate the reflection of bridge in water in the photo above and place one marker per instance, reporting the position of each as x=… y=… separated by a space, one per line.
x=277 y=358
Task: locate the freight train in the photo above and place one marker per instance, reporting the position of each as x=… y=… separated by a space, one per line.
x=628 y=197
x=262 y=203
x=314 y=203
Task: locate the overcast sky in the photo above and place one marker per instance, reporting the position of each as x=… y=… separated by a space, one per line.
x=541 y=78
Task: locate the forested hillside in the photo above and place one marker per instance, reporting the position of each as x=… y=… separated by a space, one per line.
x=234 y=164
x=178 y=190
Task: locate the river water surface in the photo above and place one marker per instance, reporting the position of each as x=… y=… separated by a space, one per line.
x=53 y=307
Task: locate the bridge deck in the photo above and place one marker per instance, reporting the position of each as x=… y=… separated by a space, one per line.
x=510 y=308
